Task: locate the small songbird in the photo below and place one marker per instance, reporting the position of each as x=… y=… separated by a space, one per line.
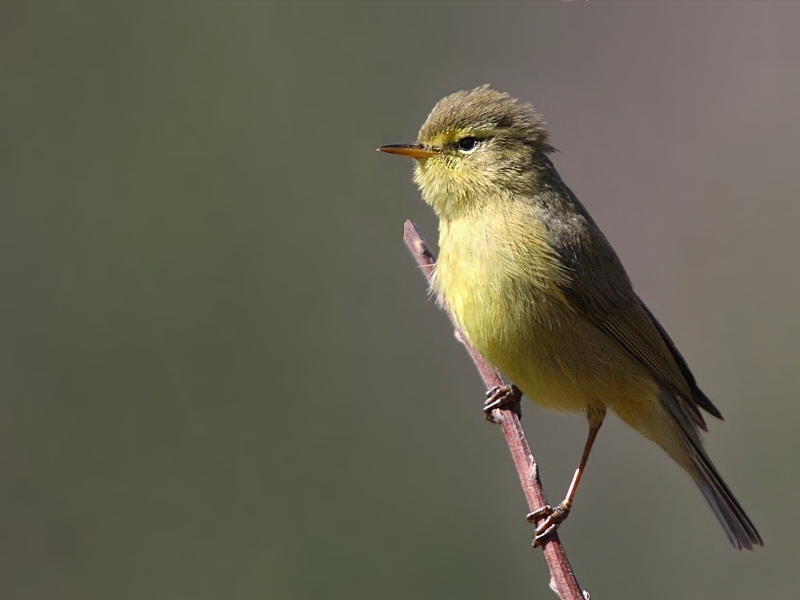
x=539 y=292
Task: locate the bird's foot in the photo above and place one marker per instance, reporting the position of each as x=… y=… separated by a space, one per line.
x=505 y=397
x=553 y=517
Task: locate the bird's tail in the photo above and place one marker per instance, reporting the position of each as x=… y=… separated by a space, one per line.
x=692 y=457
x=741 y=531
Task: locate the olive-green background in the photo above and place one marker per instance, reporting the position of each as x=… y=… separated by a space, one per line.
x=220 y=376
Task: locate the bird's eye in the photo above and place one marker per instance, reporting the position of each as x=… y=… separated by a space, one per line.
x=468 y=144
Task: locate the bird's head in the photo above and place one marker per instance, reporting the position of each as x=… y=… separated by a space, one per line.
x=476 y=147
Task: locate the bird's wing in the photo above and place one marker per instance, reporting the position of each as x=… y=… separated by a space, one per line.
x=598 y=288
x=697 y=394
x=634 y=328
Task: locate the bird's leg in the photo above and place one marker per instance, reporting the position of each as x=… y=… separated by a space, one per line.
x=553 y=517
x=503 y=396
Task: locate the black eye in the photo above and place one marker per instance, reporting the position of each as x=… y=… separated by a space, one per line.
x=467 y=143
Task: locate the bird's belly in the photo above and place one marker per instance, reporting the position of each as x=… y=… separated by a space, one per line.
x=573 y=369
x=557 y=358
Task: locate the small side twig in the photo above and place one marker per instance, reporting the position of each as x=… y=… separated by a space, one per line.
x=563 y=580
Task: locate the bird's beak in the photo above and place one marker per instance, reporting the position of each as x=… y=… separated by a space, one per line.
x=410 y=150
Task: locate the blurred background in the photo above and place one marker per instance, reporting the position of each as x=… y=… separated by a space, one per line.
x=220 y=375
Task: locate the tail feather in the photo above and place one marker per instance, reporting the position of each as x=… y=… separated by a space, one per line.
x=692 y=457
x=741 y=531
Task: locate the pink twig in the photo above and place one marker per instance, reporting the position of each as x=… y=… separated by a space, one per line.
x=563 y=580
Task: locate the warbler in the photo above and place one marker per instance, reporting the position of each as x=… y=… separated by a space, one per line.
x=539 y=292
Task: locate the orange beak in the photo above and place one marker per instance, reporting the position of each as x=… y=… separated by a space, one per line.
x=410 y=150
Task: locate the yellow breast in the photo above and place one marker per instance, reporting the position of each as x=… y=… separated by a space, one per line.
x=502 y=287
x=499 y=276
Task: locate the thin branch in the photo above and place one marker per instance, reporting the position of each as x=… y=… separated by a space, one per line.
x=562 y=580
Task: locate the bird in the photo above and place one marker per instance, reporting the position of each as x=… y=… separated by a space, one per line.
x=539 y=292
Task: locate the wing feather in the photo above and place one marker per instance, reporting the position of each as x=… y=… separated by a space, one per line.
x=598 y=287
x=633 y=328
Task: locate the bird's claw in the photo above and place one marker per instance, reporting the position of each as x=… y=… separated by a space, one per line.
x=504 y=397
x=553 y=517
